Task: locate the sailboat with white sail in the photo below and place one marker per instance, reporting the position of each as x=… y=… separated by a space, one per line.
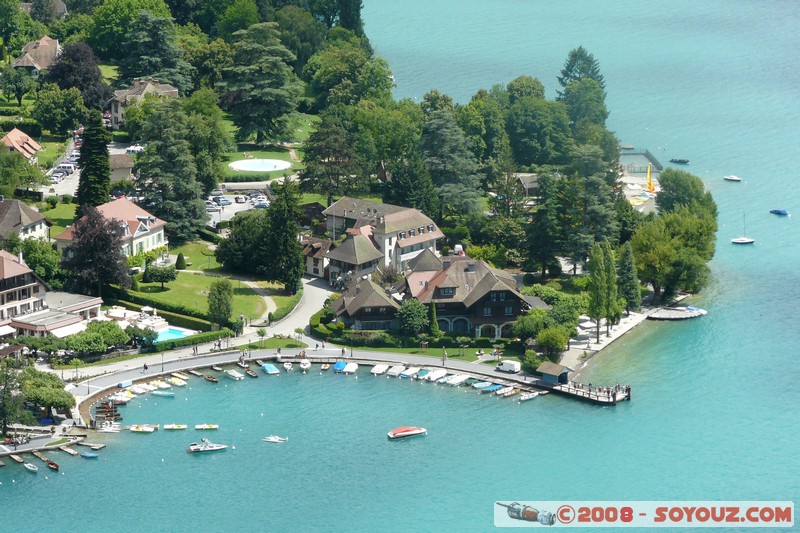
x=744 y=239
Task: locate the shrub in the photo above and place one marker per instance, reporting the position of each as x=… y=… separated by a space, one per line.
x=29 y=127
x=222 y=224
x=66 y=199
x=121 y=137
x=180 y=263
x=287 y=308
x=134 y=283
x=528 y=279
x=531 y=361
x=483 y=342
x=52 y=201
x=209 y=236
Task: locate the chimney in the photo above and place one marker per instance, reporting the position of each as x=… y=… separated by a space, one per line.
x=19 y=254
x=358 y=289
x=426 y=285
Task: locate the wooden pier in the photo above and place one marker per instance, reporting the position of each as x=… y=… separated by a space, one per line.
x=67 y=449
x=594 y=396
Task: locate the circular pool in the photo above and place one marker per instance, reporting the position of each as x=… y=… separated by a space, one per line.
x=260 y=165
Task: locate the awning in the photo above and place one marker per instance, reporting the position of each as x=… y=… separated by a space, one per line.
x=7 y=330
x=68 y=330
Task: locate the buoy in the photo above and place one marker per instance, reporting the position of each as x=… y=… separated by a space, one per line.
x=234 y=447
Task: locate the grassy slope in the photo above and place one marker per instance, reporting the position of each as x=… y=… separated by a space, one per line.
x=61 y=217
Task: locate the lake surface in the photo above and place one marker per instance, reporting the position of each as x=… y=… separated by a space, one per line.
x=713 y=415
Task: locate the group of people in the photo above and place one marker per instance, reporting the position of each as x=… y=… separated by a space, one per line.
x=601 y=391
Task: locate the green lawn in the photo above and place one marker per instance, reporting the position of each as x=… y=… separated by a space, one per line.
x=191 y=290
x=61 y=217
x=109 y=72
x=52 y=148
x=322 y=199
x=198 y=254
x=284 y=302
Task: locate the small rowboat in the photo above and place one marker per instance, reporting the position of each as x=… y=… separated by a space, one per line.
x=243 y=365
x=179 y=375
x=251 y=373
x=90 y=455
x=679 y=161
x=404 y=432
x=287 y=366
x=174 y=427
x=31 y=467
x=167 y=393
x=528 y=396
x=779 y=212
x=217 y=368
x=259 y=362
x=305 y=364
x=52 y=465
x=206 y=426
x=212 y=379
x=324 y=366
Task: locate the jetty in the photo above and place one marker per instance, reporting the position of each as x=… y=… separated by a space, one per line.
x=67 y=449
x=555 y=378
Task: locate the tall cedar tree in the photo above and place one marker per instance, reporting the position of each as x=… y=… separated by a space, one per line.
x=580 y=64
x=629 y=287
x=95 y=257
x=220 y=302
x=281 y=249
x=350 y=16
x=242 y=250
x=43 y=10
x=597 y=286
x=613 y=307
x=260 y=89
x=331 y=159
x=94 y=184
x=167 y=173
x=411 y=186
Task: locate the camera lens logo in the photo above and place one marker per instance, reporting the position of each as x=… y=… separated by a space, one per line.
x=527 y=513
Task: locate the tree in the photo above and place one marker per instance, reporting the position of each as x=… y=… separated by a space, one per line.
x=628 y=282
x=142 y=337
x=436 y=331
x=525 y=86
x=538 y=131
x=95 y=256
x=77 y=67
x=350 y=16
x=44 y=260
x=413 y=316
x=168 y=172
x=585 y=103
x=331 y=159
x=681 y=188
x=238 y=16
x=209 y=61
x=260 y=88
x=552 y=340
x=180 y=263
x=60 y=111
x=43 y=10
x=45 y=390
x=434 y=100
x=529 y=325
x=241 y=251
x=25 y=30
x=220 y=302
x=159 y=274
x=208 y=137
x=580 y=64
x=613 y=305
x=300 y=33
x=411 y=186
x=8 y=10
x=112 y=20
x=10 y=397
x=451 y=164
x=282 y=251
x=17 y=83
x=109 y=331
x=598 y=286
x=325 y=11
x=15 y=171
x=151 y=50
x=94 y=184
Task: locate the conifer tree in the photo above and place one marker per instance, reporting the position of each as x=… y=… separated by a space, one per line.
x=629 y=287
x=411 y=186
x=436 y=332
x=94 y=184
x=220 y=302
x=580 y=64
x=597 y=286
x=613 y=306
x=282 y=251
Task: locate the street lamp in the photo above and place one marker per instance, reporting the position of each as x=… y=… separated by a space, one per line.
x=162 y=362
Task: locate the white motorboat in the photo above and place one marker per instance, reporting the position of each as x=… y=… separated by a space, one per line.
x=395 y=371
x=178 y=382
x=148 y=387
x=406 y=431
x=482 y=384
x=160 y=384
x=142 y=429
x=137 y=389
x=174 y=427
x=287 y=366
x=457 y=380
x=503 y=391
x=732 y=178
x=180 y=375
x=528 y=396
x=410 y=372
x=378 y=370
x=350 y=368
x=305 y=365
x=436 y=375
x=235 y=374
x=205 y=445
x=206 y=426
x=275 y=438
x=31 y=467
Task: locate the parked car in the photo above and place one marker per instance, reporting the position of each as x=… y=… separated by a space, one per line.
x=240 y=199
x=261 y=205
x=259 y=200
x=134 y=149
x=223 y=201
x=211 y=207
x=217 y=192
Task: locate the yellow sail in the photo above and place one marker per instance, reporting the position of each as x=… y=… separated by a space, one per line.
x=650 y=186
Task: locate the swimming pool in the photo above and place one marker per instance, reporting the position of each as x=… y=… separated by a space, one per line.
x=172 y=334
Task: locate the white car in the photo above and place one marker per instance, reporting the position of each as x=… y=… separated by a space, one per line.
x=211 y=207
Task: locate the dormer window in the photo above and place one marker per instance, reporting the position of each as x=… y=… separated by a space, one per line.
x=421 y=230
x=430 y=228
x=402 y=235
x=411 y=233
x=448 y=291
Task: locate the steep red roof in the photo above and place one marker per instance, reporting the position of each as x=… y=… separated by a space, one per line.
x=123 y=210
x=20 y=142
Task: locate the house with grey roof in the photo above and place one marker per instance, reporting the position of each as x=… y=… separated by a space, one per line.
x=139 y=89
x=59 y=8
x=38 y=55
x=397 y=234
x=366 y=305
x=17 y=217
x=314 y=251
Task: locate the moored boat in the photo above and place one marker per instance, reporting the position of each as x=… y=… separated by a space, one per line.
x=457 y=380
x=436 y=375
x=235 y=374
x=471 y=381
x=287 y=366
x=142 y=429
x=174 y=427
x=679 y=161
x=338 y=366
x=167 y=393
x=446 y=378
x=270 y=369
x=501 y=391
x=90 y=455
x=178 y=382
x=31 y=467
x=250 y=372
x=422 y=374
x=259 y=362
x=410 y=372
x=242 y=364
x=779 y=212
x=378 y=370
x=205 y=445
x=51 y=465
x=732 y=178
x=212 y=379
x=216 y=367
x=482 y=384
x=305 y=365
x=275 y=438
x=404 y=432
x=350 y=368
x=324 y=366
x=491 y=388
x=395 y=370
x=180 y=375
x=512 y=392
x=528 y=396
x=205 y=427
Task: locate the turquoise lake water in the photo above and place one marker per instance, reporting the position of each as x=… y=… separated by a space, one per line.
x=713 y=415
